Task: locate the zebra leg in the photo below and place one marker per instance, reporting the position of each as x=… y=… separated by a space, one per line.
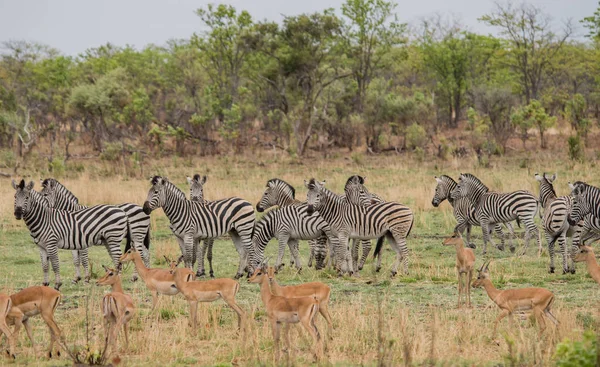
x=209 y=248
x=366 y=248
x=295 y=254
x=343 y=261
x=282 y=240
x=85 y=262
x=188 y=255
x=45 y=265
x=551 y=242
x=200 y=252
x=398 y=243
x=562 y=243
x=320 y=251
x=76 y=263
x=241 y=242
x=355 y=244
x=53 y=255
x=531 y=229
x=510 y=235
x=500 y=234
x=311 y=252
x=485 y=228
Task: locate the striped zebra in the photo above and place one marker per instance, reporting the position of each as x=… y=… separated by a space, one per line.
x=206 y=249
x=348 y=221
x=54 y=229
x=288 y=224
x=192 y=220
x=586 y=206
x=59 y=197
x=463 y=211
x=555 y=224
x=492 y=207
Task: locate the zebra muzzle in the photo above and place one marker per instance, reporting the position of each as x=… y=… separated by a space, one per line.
x=147 y=209
x=18 y=213
x=310 y=210
x=259 y=208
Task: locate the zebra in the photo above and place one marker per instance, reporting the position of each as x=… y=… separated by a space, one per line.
x=554 y=222
x=586 y=206
x=288 y=224
x=347 y=221
x=59 y=197
x=54 y=229
x=492 y=207
x=197 y=194
x=463 y=211
x=192 y=220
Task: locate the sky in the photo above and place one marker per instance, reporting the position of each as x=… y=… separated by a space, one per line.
x=72 y=26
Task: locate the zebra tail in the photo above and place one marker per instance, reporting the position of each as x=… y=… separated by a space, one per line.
x=128 y=243
x=519 y=222
x=378 y=246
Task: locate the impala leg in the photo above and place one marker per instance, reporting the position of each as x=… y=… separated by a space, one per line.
x=199 y=255
x=28 y=331
x=154 y=300
x=458 y=273
x=469 y=278
x=539 y=318
x=193 y=315
x=324 y=311
x=240 y=312
x=286 y=339
x=309 y=326
x=502 y=315
x=55 y=333
x=9 y=336
x=275 y=327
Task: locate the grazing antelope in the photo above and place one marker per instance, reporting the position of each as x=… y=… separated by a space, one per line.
x=158 y=281
x=465 y=261
x=33 y=301
x=283 y=310
x=537 y=300
x=320 y=291
x=117 y=307
x=586 y=254
x=5 y=307
x=206 y=291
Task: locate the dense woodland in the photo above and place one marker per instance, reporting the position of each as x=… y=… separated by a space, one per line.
x=347 y=78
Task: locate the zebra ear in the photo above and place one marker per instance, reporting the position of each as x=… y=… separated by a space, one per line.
x=322 y=183
x=204 y=179
x=437 y=179
x=553 y=177
x=538 y=177
x=305 y=184
x=30 y=185
x=571 y=186
x=189 y=180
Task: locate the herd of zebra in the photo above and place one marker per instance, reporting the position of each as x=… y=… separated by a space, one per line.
x=328 y=220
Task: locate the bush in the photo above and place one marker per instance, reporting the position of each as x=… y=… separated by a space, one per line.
x=576 y=149
x=112 y=152
x=577 y=354
x=416 y=136
x=57 y=167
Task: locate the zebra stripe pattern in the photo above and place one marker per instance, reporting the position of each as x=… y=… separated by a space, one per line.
x=59 y=197
x=464 y=212
x=492 y=207
x=586 y=206
x=197 y=194
x=347 y=221
x=192 y=220
x=54 y=229
x=555 y=224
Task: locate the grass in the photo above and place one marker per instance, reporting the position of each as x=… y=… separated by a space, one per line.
x=409 y=320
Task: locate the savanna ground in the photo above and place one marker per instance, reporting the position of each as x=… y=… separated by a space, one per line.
x=409 y=320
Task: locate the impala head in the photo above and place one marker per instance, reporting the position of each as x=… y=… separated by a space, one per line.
x=584 y=253
x=453 y=240
x=356 y=192
x=271 y=273
x=174 y=264
x=275 y=192
x=111 y=276
x=49 y=191
x=482 y=274
x=129 y=255
x=442 y=189
x=197 y=187
x=156 y=195
x=313 y=197
x=260 y=272
x=580 y=206
x=22 y=194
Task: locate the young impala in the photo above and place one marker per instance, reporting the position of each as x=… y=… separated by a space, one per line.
x=117 y=307
x=206 y=291
x=282 y=310
x=320 y=291
x=5 y=307
x=158 y=281
x=537 y=300
x=586 y=254
x=465 y=262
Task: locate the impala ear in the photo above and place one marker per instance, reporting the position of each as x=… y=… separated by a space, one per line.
x=105 y=268
x=167 y=259
x=179 y=261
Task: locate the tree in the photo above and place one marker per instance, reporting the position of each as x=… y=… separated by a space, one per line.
x=575 y=113
x=371 y=32
x=496 y=103
x=532 y=115
x=592 y=23
x=533 y=43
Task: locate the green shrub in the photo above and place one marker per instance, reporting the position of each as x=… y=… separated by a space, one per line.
x=416 y=136
x=57 y=167
x=577 y=354
x=112 y=152
x=576 y=149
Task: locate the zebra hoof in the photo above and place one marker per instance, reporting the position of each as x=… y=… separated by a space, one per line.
x=573 y=271
x=212 y=274
x=200 y=274
x=360 y=268
x=134 y=278
x=377 y=269
x=57 y=285
x=46 y=284
x=500 y=247
x=551 y=271
x=76 y=280
x=393 y=273
x=87 y=279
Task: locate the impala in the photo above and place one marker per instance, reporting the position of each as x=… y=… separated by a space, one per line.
x=283 y=310
x=586 y=254
x=158 y=281
x=206 y=291
x=5 y=307
x=537 y=300
x=465 y=262
x=320 y=291
x=117 y=307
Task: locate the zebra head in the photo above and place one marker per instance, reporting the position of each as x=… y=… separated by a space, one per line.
x=468 y=186
x=313 y=196
x=356 y=192
x=156 y=195
x=49 y=191
x=581 y=205
x=276 y=192
x=197 y=187
x=444 y=187
x=22 y=195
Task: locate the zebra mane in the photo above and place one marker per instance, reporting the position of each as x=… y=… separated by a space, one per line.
x=277 y=181
x=469 y=178
x=447 y=179
x=355 y=179
x=62 y=189
x=175 y=190
x=550 y=184
x=154 y=180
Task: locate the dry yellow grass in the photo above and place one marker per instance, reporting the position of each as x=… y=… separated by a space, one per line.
x=411 y=320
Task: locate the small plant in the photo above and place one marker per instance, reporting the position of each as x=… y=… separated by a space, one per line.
x=577 y=354
x=416 y=136
x=576 y=148
x=112 y=152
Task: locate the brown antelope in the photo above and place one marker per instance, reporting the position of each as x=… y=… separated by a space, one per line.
x=465 y=262
x=206 y=291
x=33 y=301
x=537 y=300
x=158 y=281
x=117 y=307
x=283 y=310
x=5 y=307
x=320 y=291
x=586 y=254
